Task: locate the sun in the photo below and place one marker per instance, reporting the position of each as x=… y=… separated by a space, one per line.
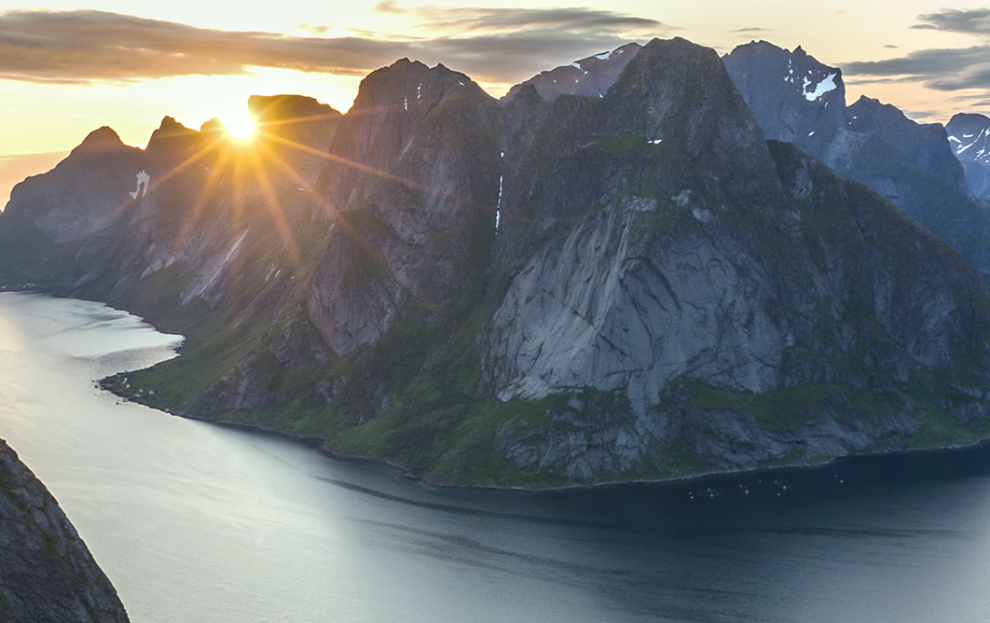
x=241 y=128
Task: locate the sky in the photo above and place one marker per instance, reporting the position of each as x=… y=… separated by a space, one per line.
x=68 y=67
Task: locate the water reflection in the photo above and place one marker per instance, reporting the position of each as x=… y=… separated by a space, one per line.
x=195 y=522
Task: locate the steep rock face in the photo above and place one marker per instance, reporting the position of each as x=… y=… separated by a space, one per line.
x=410 y=189
x=46 y=571
x=969 y=139
x=86 y=193
x=298 y=130
x=55 y=219
x=590 y=76
x=593 y=301
x=908 y=163
x=794 y=97
x=685 y=289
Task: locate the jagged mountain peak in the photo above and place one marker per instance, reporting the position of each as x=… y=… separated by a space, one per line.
x=796 y=98
x=591 y=76
x=170 y=126
x=969 y=135
x=173 y=143
x=102 y=139
x=271 y=109
x=969 y=138
x=393 y=108
x=297 y=129
x=678 y=92
x=213 y=126
x=975 y=118
x=86 y=193
x=168 y=129
x=409 y=86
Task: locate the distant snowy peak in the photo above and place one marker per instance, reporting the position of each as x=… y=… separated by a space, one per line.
x=795 y=97
x=590 y=76
x=813 y=82
x=969 y=136
x=969 y=139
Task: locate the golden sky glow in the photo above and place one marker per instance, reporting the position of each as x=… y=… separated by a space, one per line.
x=68 y=67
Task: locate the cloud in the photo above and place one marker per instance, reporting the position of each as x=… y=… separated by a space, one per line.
x=746 y=30
x=86 y=45
x=940 y=69
x=945 y=69
x=976 y=21
x=890 y=45
x=921 y=114
x=568 y=21
x=499 y=45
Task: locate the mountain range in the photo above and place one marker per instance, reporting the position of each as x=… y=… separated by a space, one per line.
x=648 y=264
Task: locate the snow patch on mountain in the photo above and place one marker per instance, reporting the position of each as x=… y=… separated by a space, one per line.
x=823 y=87
x=143 y=179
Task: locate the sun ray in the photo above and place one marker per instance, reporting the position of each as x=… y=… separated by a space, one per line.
x=120 y=209
x=378 y=172
x=187 y=225
x=275 y=206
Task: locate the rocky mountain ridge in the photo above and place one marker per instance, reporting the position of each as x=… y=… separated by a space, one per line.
x=628 y=284
x=909 y=164
x=590 y=76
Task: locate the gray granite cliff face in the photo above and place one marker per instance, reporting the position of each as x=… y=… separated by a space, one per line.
x=799 y=100
x=46 y=572
x=822 y=333
x=594 y=303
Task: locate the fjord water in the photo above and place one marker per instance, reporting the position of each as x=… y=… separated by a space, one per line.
x=198 y=522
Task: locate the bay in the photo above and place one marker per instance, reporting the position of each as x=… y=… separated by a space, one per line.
x=198 y=522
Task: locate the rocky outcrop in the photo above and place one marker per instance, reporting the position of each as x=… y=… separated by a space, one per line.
x=46 y=572
x=409 y=193
x=969 y=139
x=624 y=164
x=799 y=100
x=84 y=195
x=52 y=218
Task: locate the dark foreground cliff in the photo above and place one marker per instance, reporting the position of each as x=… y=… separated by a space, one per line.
x=47 y=574
x=565 y=288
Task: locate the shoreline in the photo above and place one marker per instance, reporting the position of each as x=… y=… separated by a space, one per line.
x=320 y=444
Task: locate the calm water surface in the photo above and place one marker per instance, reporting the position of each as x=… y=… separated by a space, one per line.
x=200 y=523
